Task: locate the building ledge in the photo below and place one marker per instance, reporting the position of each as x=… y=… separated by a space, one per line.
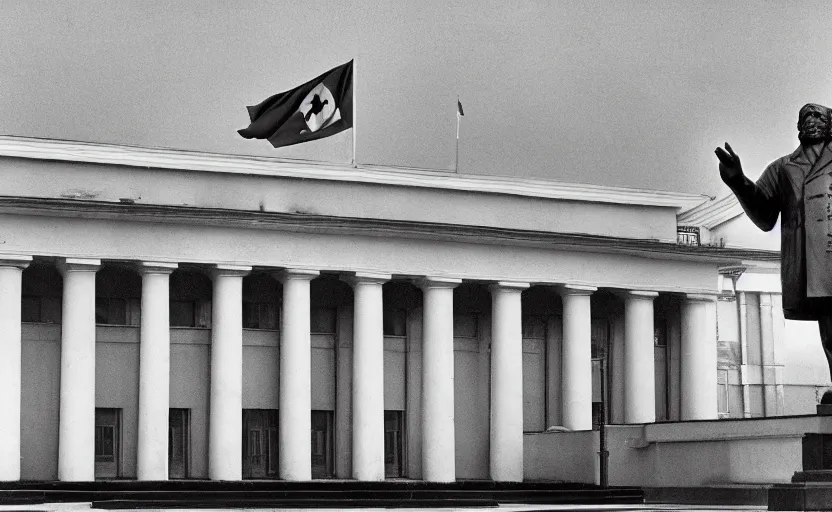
x=351 y=226
x=112 y=154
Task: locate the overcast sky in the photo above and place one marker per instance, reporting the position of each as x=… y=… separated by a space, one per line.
x=625 y=93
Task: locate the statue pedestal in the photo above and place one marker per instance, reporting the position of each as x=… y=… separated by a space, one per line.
x=811 y=489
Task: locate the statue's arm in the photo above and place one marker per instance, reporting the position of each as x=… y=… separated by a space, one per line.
x=760 y=200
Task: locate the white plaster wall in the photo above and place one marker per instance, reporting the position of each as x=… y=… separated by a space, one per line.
x=805 y=362
x=741 y=232
x=683 y=454
x=32 y=178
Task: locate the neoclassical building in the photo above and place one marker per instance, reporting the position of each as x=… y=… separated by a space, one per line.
x=172 y=314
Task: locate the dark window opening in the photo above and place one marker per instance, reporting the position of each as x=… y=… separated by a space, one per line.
x=110 y=311
x=395 y=322
x=323 y=320
x=46 y=310
x=185 y=313
x=260 y=315
x=534 y=327
x=465 y=325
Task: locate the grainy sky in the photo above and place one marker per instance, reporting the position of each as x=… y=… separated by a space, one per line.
x=624 y=93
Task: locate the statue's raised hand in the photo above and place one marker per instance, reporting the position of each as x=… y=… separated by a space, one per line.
x=729 y=164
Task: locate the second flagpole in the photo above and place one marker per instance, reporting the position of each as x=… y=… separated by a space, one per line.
x=456 y=166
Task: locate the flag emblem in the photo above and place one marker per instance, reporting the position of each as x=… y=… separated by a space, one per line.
x=319 y=108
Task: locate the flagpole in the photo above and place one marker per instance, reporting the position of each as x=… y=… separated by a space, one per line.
x=456 y=166
x=354 y=125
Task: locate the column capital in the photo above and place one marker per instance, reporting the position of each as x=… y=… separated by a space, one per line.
x=639 y=294
x=155 y=267
x=78 y=265
x=295 y=273
x=575 y=289
x=229 y=270
x=700 y=297
x=508 y=286
x=15 y=260
x=365 y=278
x=437 y=282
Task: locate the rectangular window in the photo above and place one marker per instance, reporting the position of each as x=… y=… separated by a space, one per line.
x=660 y=333
x=395 y=322
x=465 y=325
x=259 y=315
x=534 y=327
x=30 y=309
x=182 y=314
x=45 y=310
x=323 y=320
x=110 y=311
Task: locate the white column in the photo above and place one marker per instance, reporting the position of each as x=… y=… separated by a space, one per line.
x=639 y=358
x=368 y=377
x=576 y=361
x=698 y=358
x=438 y=452
x=506 y=464
x=154 y=372
x=295 y=397
x=76 y=431
x=225 y=422
x=11 y=278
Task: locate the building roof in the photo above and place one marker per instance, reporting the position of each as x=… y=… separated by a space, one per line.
x=712 y=213
x=163 y=158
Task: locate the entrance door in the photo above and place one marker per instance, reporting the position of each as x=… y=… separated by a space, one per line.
x=178 y=443
x=107 y=443
x=260 y=443
x=322 y=444
x=393 y=444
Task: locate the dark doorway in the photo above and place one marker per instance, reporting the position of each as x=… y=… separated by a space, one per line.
x=107 y=443
x=179 y=443
x=260 y=443
x=322 y=444
x=393 y=444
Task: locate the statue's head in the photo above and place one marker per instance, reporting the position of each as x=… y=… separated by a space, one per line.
x=814 y=123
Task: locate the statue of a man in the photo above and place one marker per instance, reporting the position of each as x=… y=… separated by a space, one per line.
x=798 y=187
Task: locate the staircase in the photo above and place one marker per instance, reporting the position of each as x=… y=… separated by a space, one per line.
x=124 y=494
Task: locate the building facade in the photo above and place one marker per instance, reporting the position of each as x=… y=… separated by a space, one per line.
x=170 y=314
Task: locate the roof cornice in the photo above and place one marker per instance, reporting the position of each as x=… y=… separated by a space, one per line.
x=112 y=154
x=712 y=213
x=307 y=223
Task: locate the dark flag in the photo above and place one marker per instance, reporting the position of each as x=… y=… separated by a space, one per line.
x=459 y=108
x=317 y=109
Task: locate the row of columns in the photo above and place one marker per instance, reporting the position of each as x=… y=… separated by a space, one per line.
x=77 y=388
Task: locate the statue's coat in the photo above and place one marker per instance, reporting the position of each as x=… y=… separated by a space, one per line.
x=800 y=193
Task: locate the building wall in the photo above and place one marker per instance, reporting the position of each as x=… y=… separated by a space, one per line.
x=41 y=360
x=784 y=371
x=117 y=365
x=22 y=177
